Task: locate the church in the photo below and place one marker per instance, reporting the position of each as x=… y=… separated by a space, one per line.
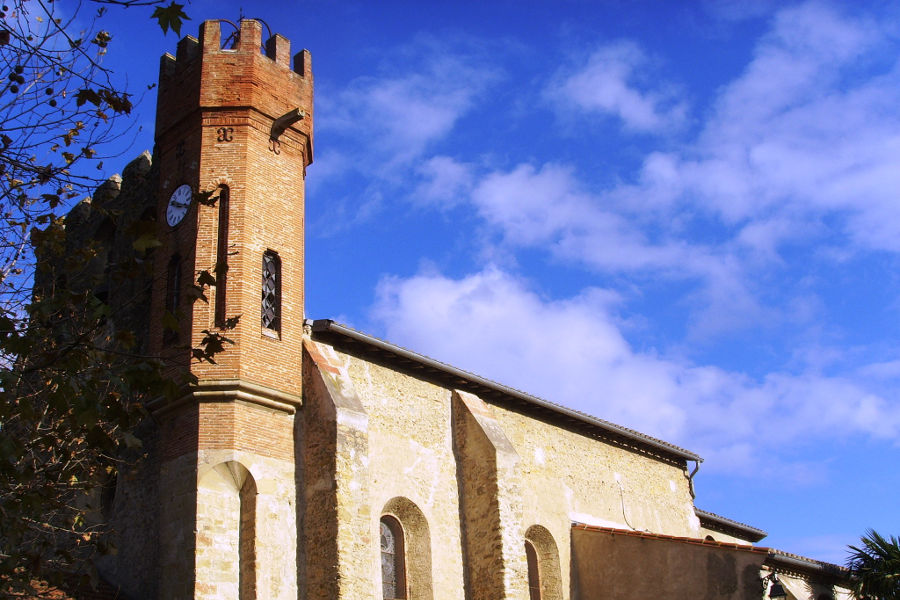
x=313 y=461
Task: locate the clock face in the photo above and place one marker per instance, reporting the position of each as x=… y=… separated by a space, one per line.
x=179 y=203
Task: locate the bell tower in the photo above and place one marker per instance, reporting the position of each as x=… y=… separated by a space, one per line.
x=233 y=140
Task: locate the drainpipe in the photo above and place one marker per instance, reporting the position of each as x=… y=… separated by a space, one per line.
x=691 y=479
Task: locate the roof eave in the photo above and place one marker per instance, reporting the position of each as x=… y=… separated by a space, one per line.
x=753 y=534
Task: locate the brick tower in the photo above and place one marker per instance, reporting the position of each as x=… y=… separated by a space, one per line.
x=236 y=122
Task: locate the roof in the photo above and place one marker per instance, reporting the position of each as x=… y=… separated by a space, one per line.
x=671 y=538
x=786 y=561
x=332 y=332
x=718 y=522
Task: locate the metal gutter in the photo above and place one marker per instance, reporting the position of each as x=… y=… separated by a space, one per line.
x=329 y=326
x=731 y=524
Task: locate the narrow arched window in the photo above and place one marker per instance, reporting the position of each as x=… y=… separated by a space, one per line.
x=221 y=269
x=393 y=559
x=271 y=291
x=534 y=574
x=544 y=576
x=173 y=299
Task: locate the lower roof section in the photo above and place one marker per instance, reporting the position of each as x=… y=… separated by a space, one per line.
x=725 y=525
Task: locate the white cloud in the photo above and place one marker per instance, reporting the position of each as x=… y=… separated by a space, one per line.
x=615 y=81
x=888 y=370
x=548 y=207
x=390 y=119
x=571 y=351
x=445 y=182
x=808 y=131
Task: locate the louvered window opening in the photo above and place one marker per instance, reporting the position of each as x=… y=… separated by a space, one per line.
x=222 y=256
x=271 y=291
x=173 y=296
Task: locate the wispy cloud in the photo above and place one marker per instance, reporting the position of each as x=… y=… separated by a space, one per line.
x=809 y=131
x=550 y=208
x=618 y=81
x=443 y=182
x=381 y=128
x=392 y=117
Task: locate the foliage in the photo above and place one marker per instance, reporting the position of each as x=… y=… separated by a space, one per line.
x=170 y=16
x=875 y=567
x=74 y=373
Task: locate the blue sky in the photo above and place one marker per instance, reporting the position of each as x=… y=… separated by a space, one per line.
x=683 y=217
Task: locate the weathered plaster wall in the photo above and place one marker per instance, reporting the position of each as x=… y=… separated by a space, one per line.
x=201 y=503
x=178 y=511
x=631 y=567
x=599 y=483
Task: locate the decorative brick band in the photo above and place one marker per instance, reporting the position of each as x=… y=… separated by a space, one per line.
x=229 y=390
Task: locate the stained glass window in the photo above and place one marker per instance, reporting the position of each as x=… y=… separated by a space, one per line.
x=393 y=580
x=271 y=291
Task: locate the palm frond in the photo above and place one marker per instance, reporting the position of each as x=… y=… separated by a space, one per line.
x=875 y=566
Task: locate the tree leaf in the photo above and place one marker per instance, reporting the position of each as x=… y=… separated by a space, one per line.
x=170 y=16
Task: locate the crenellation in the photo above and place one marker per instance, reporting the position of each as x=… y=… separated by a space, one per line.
x=187 y=50
x=211 y=34
x=278 y=48
x=167 y=66
x=303 y=63
x=250 y=38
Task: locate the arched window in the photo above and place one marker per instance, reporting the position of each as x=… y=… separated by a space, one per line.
x=709 y=538
x=271 y=291
x=534 y=574
x=544 y=573
x=226 y=531
x=393 y=559
x=405 y=552
x=221 y=269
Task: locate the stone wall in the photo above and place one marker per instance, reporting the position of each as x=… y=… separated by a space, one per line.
x=628 y=565
x=483 y=476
